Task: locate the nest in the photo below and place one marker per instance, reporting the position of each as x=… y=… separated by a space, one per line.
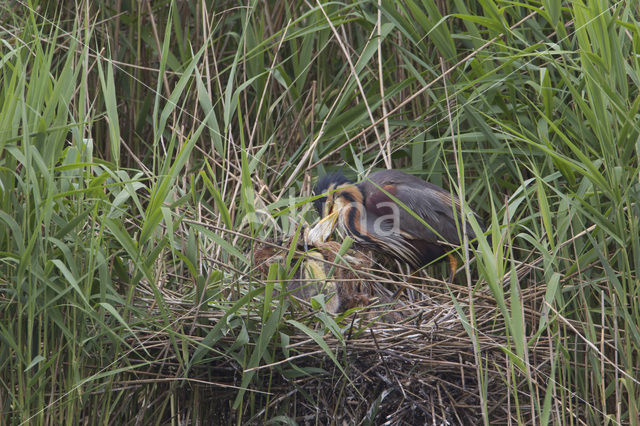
x=402 y=354
x=414 y=365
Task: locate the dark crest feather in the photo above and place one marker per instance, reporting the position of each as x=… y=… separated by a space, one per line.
x=323 y=185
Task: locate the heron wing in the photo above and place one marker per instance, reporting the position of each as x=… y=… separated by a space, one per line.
x=432 y=204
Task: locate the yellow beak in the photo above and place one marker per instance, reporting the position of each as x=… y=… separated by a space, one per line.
x=322 y=230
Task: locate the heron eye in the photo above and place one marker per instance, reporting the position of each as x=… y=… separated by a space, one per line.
x=328 y=205
x=329 y=200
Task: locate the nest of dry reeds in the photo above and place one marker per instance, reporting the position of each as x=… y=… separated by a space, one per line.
x=404 y=356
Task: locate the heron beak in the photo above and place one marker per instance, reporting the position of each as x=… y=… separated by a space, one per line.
x=322 y=230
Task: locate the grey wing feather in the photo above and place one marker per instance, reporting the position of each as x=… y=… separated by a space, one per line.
x=431 y=203
x=435 y=207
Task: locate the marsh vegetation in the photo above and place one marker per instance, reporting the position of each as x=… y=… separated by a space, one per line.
x=148 y=147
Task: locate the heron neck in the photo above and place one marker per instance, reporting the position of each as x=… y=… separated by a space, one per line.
x=353 y=214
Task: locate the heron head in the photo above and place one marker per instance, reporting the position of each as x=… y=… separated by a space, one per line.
x=326 y=185
x=328 y=206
